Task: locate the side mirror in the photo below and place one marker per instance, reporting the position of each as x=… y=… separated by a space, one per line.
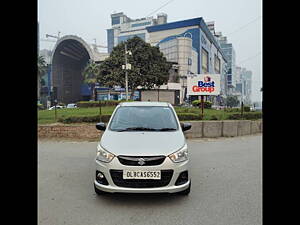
x=186 y=126
x=101 y=126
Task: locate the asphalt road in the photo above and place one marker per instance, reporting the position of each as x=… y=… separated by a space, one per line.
x=226 y=187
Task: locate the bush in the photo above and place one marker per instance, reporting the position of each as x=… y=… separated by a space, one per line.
x=214 y=117
x=88 y=104
x=207 y=104
x=247 y=108
x=188 y=116
x=232 y=109
x=84 y=119
x=40 y=106
x=247 y=116
x=252 y=116
x=232 y=101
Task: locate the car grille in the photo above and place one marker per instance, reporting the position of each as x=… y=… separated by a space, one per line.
x=117 y=177
x=146 y=160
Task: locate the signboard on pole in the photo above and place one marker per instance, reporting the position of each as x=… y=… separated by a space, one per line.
x=203 y=84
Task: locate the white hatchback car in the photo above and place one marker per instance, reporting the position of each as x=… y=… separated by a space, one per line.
x=71 y=106
x=142 y=150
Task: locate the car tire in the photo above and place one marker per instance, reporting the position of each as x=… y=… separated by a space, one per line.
x=98 y=192
x=186 y=191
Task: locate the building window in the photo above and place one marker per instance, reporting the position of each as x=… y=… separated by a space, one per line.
x=217 y=64
x=204 y=61
x=229 y=80
x=115 y=20
x=140 y=24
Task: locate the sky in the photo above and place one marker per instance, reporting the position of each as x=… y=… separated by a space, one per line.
x=239 y=20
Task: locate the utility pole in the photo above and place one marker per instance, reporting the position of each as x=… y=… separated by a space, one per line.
x=242 y=104
x=126 y=75
x=126 y=66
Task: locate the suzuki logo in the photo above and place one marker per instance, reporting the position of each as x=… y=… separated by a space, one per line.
x=141 y=161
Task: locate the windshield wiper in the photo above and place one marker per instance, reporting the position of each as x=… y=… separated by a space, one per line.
x=138 y=129
x=166 y=129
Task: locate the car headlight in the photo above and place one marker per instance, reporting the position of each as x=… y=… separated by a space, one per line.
x=103 y=155
x=180 y=155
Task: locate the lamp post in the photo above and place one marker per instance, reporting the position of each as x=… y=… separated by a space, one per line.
x=55 y=103
x=242 y=99
x=126 y=66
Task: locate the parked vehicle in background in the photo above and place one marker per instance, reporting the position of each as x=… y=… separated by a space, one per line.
x=71 y=106
x=143 y=150
x=257 y=109
x=57 y=107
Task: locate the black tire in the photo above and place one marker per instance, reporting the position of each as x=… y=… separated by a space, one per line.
x=186 y=191
x=98 y=192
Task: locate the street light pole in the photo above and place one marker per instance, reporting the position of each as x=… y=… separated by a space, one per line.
x=242 y=105
x=126 y=75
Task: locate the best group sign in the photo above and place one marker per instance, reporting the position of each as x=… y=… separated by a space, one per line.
x=203 y=84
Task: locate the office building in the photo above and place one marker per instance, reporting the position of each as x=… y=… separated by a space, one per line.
x=124 y=28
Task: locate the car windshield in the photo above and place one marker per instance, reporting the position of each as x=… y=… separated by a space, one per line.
x=144 y=118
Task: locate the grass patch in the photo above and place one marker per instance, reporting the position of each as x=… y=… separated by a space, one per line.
x=48 y=116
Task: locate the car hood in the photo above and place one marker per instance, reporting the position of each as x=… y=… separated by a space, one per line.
x=134 y=143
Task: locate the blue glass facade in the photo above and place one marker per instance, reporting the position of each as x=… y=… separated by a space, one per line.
x=86 y=90
x=125 y=38
x=110 y=40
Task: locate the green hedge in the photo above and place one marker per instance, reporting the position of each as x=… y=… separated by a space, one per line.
x=87 y=104
x=247 y=116
x=84 y=119
x=247 y=108
x=40 y=107
x=181 y=117
x=232 y=109
x=207 y=104
x=105 y=118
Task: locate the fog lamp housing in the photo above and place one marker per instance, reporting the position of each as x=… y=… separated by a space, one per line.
x=100 y=178
x=182 y=178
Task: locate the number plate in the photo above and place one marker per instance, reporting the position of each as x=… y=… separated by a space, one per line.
x=140 y=174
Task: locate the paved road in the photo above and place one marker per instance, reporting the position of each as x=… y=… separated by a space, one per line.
x=226 y=187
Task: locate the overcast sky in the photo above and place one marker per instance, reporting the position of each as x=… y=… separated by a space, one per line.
x=239 y=20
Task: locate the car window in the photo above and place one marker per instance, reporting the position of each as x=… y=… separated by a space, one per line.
x=150 y=117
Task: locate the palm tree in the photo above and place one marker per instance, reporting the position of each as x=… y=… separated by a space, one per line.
x=42 y=68
x=89 y=75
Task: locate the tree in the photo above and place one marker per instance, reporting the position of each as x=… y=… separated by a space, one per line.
x=89 y=75
x=148 y=66
x=42 y=68
x=232 y=101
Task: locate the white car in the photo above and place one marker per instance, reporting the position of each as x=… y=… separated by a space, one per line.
x=143 y=150
x=71 y=106
x=57 y=107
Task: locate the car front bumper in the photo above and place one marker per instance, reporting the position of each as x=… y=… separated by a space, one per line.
x=166 y=165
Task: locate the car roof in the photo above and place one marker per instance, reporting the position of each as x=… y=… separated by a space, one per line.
x=144 y=104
